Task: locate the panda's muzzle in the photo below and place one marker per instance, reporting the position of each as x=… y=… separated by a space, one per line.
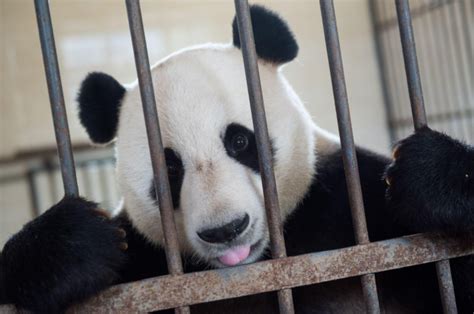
x=227 y=232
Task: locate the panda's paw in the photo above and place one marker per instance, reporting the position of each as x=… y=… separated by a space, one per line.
x=67 y=254
x=430 y=183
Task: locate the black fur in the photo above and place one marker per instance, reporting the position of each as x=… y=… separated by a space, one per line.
x=67 y=254
x=72 y=232
x=247 y=157
x=323 y=222
x=175 y=177
x=99 y=101
x=274 y=40
x=415 y=189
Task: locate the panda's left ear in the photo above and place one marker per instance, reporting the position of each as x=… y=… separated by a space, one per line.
x=100 y=98
x=274 y=41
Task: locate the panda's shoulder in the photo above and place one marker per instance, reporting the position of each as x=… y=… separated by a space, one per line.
x=322 y=220
x=330 y=168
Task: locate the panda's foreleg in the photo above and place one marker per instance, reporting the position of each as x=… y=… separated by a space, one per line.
x=67 y=254
x=431 y=188
x=430 y=183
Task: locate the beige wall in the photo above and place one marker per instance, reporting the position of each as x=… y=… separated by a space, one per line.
x=93 y=35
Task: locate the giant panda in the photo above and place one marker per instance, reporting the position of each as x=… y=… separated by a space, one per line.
x=74 y=250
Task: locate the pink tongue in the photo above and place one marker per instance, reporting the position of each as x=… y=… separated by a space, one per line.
x=235 y=255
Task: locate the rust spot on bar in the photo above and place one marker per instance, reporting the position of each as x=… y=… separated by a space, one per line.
x=172 y=291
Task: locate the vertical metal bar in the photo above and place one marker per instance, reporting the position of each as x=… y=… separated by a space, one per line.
x=411 y=65
x=416 y=98
x=398 y=114
x=463 y=71
x=85 y=170
x=33 y=191
x=398 y=91
x=103 y=186
x=351 y=168
x=467 y=30
x=449 y=62
x=56 y=98
x=50 y=169
x=155 y=143
x=108 y=183
x=445 y=282
x=265 y=159
x=383 y=71
x=443 y=97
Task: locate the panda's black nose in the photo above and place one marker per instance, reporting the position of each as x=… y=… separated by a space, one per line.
x=225 y=233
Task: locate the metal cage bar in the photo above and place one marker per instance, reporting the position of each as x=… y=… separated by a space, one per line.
x=407 y=38
x=56 y=98
x=166 y=292
x=461 y=73
x=440 y=36
x=382 y=69
x=349 y=156
x=155 y=143
x=411 y=64
x=467 y=30
x=265 y=158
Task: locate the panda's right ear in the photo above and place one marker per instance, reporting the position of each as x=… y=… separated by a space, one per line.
x=274 y=40
x=100 y=98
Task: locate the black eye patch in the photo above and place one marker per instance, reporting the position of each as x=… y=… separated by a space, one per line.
x=175 y=176
x=240 y=144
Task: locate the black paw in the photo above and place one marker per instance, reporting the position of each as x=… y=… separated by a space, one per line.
x=430 y=183
x=67 y=254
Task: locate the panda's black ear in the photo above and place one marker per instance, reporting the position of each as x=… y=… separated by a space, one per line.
x=274 y=40
x=99 y=99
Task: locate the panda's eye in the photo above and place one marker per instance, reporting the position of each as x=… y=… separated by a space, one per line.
x=174 y=170
x=175 y=174
x=173 y=163
x=240 y=142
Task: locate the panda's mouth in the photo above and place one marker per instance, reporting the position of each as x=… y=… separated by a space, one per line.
x=247 y=248
x=241 y=254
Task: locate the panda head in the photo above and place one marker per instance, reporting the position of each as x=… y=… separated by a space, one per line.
x=210 y=148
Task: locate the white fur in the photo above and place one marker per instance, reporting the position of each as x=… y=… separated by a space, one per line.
x=199 y=91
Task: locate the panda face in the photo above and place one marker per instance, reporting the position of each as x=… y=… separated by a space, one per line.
x=211 y=153
x=210 y=149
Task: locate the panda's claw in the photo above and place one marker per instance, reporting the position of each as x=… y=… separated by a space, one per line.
x=123 y=246
x=122 y=234
x=102 y=213
x=390 y=173
x=396 y=151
